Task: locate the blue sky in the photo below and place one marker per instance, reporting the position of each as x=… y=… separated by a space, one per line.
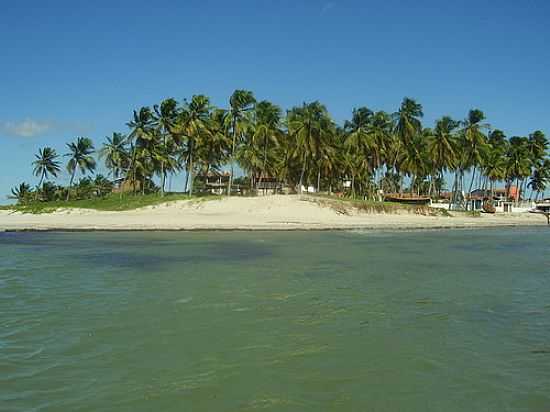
x=71 y=68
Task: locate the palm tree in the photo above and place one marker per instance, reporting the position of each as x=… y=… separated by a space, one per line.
x=142 y=140
x=48 y=192
x=474 y=142
x=416 y=162
x=381 y=129
x=537 y=146
x=21 y=193
x=310 y=126
x=103 y=186
x=408 y=125
x=360 y=138
x=213 y=151
x=193 y=125
x=408 y=120
x=115 y=153
x=540 y=177
x=46 y=164
x=518 y=162
x=267 y=129
x=80 y=158
x=442 y=145
x=495 y=168
x=164 y=121
x=238 y=119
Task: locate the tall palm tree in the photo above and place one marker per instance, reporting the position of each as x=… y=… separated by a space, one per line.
x=442 y=145
x=408 y=125
x=164 y=121
x=115 y=153
x=213 y=151
x=416 y=162
x=474 y=142
x=537 y=146
x=238 y=119
x=408 y=120
x=518 y=162
x=193 y=125
x=381 y=129
x=360 y=138
x=46 y=164
x=142 y=139
x=310 y=126
x=495 y=168
x=80 y=158
x=267 y=129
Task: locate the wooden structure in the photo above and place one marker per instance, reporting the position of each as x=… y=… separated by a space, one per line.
x=542 y=209
x=408 y=199
x=214 y=182
x=268 y=183
x=123 y=185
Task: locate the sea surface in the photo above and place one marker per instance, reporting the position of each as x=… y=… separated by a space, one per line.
x=297 y=321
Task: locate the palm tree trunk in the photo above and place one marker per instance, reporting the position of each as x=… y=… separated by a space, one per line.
x=190 y=172
x=302 y=172
x=265 y=163
x=232 y=159
x=39 y=184
x=187 y=177
x=162 y=178
x=454 y=191
x=70 y=184
x=319 y=179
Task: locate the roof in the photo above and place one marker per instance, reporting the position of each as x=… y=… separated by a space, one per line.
x=214 y=173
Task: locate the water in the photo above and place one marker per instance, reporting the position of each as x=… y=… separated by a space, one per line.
x=331 y=321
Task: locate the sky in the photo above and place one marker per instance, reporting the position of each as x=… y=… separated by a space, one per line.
x=79 y=68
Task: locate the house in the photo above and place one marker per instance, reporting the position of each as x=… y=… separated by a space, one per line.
x=268 y=185
x=214 y=181
x=124 y=185
x=502 y=199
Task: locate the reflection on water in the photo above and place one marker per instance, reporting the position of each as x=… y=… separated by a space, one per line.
x=335 y=321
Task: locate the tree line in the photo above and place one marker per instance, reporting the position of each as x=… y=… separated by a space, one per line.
x=372 y=151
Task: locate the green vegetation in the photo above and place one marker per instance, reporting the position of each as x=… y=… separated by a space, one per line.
x=373 y=151
x=111 y=202
x=347 y=206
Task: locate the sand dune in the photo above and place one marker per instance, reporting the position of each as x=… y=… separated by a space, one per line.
x=238 y=213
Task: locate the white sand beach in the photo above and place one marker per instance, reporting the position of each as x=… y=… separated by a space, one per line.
x=242 y=213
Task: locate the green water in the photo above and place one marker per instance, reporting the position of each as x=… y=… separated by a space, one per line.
x=331 y=321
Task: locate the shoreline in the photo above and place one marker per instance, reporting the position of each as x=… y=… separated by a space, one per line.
x=377 y=229
x=270 y=213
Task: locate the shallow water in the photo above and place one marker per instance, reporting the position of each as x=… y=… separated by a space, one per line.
x=319 y=321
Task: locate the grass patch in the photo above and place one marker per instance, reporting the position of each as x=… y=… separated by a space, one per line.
x=112 y=202
x=470 y=213
x=346 y=206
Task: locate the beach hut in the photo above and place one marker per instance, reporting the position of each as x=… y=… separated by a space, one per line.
x=268 y=185
x=214 y=182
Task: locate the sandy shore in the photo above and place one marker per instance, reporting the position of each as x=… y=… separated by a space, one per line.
x=237 y=213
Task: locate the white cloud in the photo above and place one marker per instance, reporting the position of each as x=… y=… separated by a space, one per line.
x=33 y=128
x=26 y=128
x=327 y=7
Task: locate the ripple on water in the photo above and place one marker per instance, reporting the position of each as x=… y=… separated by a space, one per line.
x=281 y=321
